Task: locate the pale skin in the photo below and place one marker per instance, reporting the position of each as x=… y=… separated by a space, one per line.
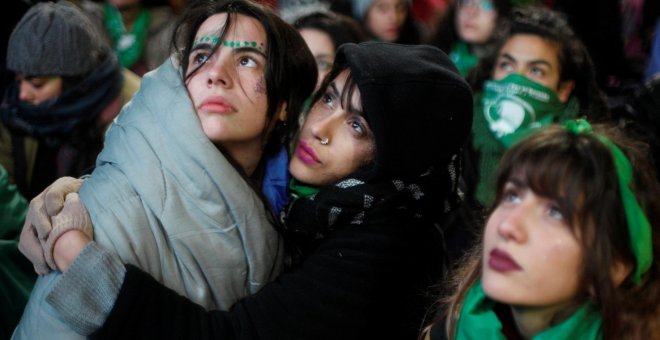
x=535 y=58
x=323 y=50
x=36 y=90
x=475 y=21
x=333 y=141
x=228 y=93
x=533 y=232
x=349 y=146
x=385 y=17
x=229 y=90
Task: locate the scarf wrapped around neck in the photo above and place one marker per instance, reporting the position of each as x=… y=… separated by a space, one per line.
x=55 y=119
x=353 y=201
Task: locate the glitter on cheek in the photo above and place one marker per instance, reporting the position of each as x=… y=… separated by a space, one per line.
x=260 y=86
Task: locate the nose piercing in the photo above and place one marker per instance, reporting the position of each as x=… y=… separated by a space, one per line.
x=325 y=141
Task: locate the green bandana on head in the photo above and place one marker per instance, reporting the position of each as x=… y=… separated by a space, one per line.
x=639 y=227
x=516 y=106
x=479 y=321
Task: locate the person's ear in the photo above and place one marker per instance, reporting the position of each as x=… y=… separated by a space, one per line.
x=282 y=113
x=565 y=89
x=620 y=271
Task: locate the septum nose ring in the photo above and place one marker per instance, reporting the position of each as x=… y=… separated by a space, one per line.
x=325 y=141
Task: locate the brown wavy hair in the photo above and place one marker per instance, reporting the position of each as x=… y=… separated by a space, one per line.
x=577 y=171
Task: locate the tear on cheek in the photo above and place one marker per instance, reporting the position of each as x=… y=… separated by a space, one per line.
x=260 y=86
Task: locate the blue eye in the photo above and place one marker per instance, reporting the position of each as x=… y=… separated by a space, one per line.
x=322 y=65
x=555 y=212
x=357 y=126
x=486 y=6
x=537 y=72
x=505 y=66
x=200 y=58
x=511 y=195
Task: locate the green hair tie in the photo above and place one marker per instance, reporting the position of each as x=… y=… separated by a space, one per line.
x=639 y=227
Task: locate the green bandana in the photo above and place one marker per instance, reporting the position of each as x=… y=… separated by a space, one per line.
x=639 y=227
x=462 y=58
x=127 y=45
x=297 y=189
x=516 y=106
x=479 y=321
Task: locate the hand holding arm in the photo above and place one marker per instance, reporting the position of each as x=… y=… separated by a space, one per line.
x=50 y=216
x=72 y=230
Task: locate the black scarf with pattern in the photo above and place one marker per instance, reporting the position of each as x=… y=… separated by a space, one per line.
x=354 y=202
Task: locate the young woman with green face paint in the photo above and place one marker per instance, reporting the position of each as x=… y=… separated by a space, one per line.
x=570 y=248
x=541 y=73
x=369 y=190
x=185 y=161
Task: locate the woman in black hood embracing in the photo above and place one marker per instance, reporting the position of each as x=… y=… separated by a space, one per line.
x=363 y=250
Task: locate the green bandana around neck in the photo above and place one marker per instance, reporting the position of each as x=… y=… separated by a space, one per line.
x=639 y=227
x=461 y=56
x=298 y=189
x=479 y=321
x=516 y=106
x=127 y=45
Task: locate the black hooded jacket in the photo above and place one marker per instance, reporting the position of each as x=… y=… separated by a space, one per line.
x=366 y=280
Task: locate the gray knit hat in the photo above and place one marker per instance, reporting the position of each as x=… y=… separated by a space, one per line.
x=55 y=39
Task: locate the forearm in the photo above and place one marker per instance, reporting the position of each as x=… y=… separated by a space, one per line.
x=87 y=290
x=328 y=297
x=145 y=309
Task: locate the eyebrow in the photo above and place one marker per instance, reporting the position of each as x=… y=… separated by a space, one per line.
x=202 y=46
x=250 y=49
x=333 y=87
x=517 y=182
x=532 y=62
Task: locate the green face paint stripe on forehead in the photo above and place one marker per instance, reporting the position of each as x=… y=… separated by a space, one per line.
x=228 y=43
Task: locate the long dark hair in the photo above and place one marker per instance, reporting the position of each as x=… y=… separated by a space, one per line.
x=577 y=171
x=290 y=73
x=341 y=28
x=290 y=67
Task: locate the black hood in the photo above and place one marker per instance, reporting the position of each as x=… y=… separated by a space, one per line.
x=416 y=102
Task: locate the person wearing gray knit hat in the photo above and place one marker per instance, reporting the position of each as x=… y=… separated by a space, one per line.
x=387 y=20
x=55 y=39
x=69 y=86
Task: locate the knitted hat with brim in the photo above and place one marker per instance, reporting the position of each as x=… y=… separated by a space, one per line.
x=415 y=101
x=55 y=39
